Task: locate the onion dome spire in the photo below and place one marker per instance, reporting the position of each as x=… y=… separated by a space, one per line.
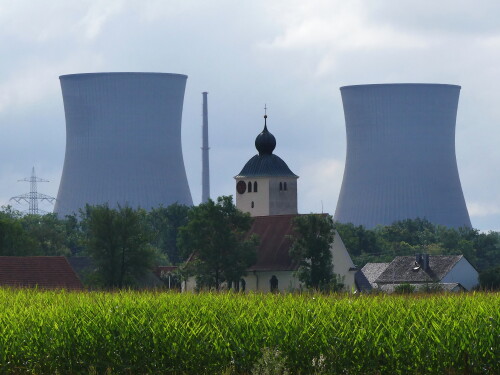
x=265 y=142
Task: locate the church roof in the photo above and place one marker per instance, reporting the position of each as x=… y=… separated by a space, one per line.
x=274 y=233
x=265 y=164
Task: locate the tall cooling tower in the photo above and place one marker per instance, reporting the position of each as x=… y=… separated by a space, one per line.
x=123 y=141
x=401 y=160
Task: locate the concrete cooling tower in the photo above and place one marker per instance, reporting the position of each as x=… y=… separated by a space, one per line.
x=400 y=161
x=123 y=141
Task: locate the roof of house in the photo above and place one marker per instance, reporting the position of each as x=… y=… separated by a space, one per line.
x=274 y=232
x=49 y=272
x=372 y=271
x=403 y=269
x=445 y=287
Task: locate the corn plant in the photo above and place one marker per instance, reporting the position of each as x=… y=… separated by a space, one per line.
x=130 y=332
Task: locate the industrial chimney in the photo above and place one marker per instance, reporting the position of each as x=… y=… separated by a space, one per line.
x=205 y=194
x=123 y=141
x=400 y=161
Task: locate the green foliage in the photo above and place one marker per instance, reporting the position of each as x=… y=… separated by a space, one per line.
x=118 y=242
x=408 y=237
x=314 y=235
x=490 y=279
x=272 y=362
x=23 y=235
x=47 y=233
x=165 y=223
x=14 y=239
x=215 y=237
x=126 y=332
x=405 y=288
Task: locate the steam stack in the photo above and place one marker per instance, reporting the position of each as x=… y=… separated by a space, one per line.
x=205 y=194
x=123 y=141
x=400 y=161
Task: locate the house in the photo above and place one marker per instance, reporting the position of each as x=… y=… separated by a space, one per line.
x=274 y=269
x=446 y=270
x=266 y=188
x=45 y=272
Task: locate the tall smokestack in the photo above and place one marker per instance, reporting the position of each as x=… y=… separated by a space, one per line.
x=205 y=193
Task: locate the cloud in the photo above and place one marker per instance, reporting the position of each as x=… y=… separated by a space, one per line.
x=483 y=209
x=319 y=185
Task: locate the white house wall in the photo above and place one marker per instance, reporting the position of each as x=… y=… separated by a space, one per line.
x=463 y=273
x=342 y=262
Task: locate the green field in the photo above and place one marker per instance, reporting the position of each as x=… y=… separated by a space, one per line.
x=46 y=332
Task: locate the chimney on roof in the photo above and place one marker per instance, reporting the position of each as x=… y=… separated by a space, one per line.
x=425 y=262
x=422 y=260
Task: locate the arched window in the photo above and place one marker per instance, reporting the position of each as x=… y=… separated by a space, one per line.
x=284 y=185
x=255 y=186
x=253 y=205
x=249 y=187
x=281 y=186
x=273 y=284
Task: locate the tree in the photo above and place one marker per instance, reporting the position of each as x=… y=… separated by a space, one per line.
x=165 y=223
x=48 y=234
x=14 y=239
x=314 y=235
x=118 y=242
x=490 y=279
x=216 y=239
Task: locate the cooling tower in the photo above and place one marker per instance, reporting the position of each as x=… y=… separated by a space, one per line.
x=123 y=141
x=400 y=161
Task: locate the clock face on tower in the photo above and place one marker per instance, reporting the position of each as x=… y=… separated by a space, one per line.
x=241 y=187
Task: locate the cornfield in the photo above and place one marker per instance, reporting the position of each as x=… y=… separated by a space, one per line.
x=128 y=332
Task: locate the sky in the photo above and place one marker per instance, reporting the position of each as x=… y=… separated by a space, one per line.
x=291 y=55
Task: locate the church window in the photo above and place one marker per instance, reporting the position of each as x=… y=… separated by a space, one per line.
x=281 y=186
x=249 y=186
x=253 y=205
x=284 y=185
x=255 y=186
x=273 y=284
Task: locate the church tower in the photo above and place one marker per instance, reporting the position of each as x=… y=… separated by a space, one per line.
x=266 y=186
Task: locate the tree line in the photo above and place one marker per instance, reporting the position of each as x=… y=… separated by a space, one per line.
x=411 y=236
x=125 y=244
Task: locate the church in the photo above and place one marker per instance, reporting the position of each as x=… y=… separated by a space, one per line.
x=266 y=188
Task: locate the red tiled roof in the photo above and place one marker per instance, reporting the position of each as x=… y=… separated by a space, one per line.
x=49 y=272
x=272 y=254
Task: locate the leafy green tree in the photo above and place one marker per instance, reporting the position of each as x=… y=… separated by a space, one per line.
x=216 y=239
x=314 y=235
x=165 y=223
x=118 y=242
x=47 y=233
x=14 y=239
x=490 y=279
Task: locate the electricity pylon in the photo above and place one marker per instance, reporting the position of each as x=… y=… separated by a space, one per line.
x=33 y=197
